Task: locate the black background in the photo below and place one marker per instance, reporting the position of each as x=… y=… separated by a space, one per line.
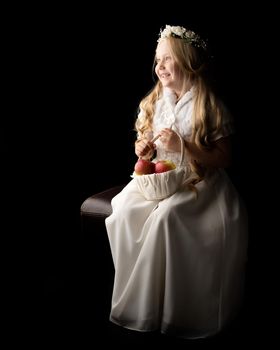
x=77 y=75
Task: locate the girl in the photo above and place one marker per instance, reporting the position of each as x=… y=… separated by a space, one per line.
x=179 y=262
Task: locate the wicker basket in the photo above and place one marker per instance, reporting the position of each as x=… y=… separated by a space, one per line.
x=162 y=185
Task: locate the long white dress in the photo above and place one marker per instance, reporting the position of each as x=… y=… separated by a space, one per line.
x=179 y=262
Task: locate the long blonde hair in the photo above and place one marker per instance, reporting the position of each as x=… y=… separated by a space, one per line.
x=207 y=114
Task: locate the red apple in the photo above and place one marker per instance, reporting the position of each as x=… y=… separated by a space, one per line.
x=164 y=165
x=143 y=166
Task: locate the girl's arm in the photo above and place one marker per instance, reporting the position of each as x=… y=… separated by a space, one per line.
x=219 y=156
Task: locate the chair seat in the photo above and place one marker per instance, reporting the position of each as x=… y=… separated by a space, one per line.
x=97 y=267
x=99 y=205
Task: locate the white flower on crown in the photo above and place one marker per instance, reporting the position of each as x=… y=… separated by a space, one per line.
x=180 y=32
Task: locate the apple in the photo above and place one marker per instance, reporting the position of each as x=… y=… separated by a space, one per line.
x=143 y=167
x=164 y=165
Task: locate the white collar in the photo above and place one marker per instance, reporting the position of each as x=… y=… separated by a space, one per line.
x=170 y=97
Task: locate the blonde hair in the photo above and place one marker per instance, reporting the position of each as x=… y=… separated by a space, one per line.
x=207 y=114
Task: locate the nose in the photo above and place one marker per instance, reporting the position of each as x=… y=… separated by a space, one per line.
x=161 y=65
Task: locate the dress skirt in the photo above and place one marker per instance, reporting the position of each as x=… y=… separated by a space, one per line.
x=179 y=262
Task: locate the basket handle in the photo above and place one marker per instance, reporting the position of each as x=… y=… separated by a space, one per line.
x=182 y=148
x=182 y=151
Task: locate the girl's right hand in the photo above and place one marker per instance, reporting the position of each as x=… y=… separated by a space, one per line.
x=144 y=148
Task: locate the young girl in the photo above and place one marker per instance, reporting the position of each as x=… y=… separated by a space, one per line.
x=179 y=262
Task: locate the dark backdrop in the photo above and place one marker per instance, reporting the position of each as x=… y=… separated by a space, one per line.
x=69 y=130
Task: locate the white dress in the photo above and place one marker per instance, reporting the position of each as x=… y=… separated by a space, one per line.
x=179 y=262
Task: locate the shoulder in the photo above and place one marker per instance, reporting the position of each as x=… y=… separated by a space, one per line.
x=226 y=126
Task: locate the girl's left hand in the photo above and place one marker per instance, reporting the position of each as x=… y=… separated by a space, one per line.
x=170 y=140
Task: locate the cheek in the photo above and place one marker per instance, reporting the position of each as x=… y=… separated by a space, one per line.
x=171 y=69
x=176 y=71
x=157 y=70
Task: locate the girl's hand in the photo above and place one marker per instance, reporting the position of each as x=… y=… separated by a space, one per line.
x=144 y=148
x=170 y=140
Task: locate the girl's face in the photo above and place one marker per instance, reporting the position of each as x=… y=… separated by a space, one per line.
x=166 y=68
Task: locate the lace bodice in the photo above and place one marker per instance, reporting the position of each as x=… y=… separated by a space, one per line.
x=178 y=117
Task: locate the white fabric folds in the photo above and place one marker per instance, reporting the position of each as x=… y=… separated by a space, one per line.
x=179 y=262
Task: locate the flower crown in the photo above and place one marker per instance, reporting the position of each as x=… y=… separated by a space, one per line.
x=182 y=33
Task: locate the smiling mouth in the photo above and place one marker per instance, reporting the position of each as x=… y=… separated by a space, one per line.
x=165 y=75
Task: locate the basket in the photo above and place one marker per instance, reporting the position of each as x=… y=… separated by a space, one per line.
x=162 y=185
